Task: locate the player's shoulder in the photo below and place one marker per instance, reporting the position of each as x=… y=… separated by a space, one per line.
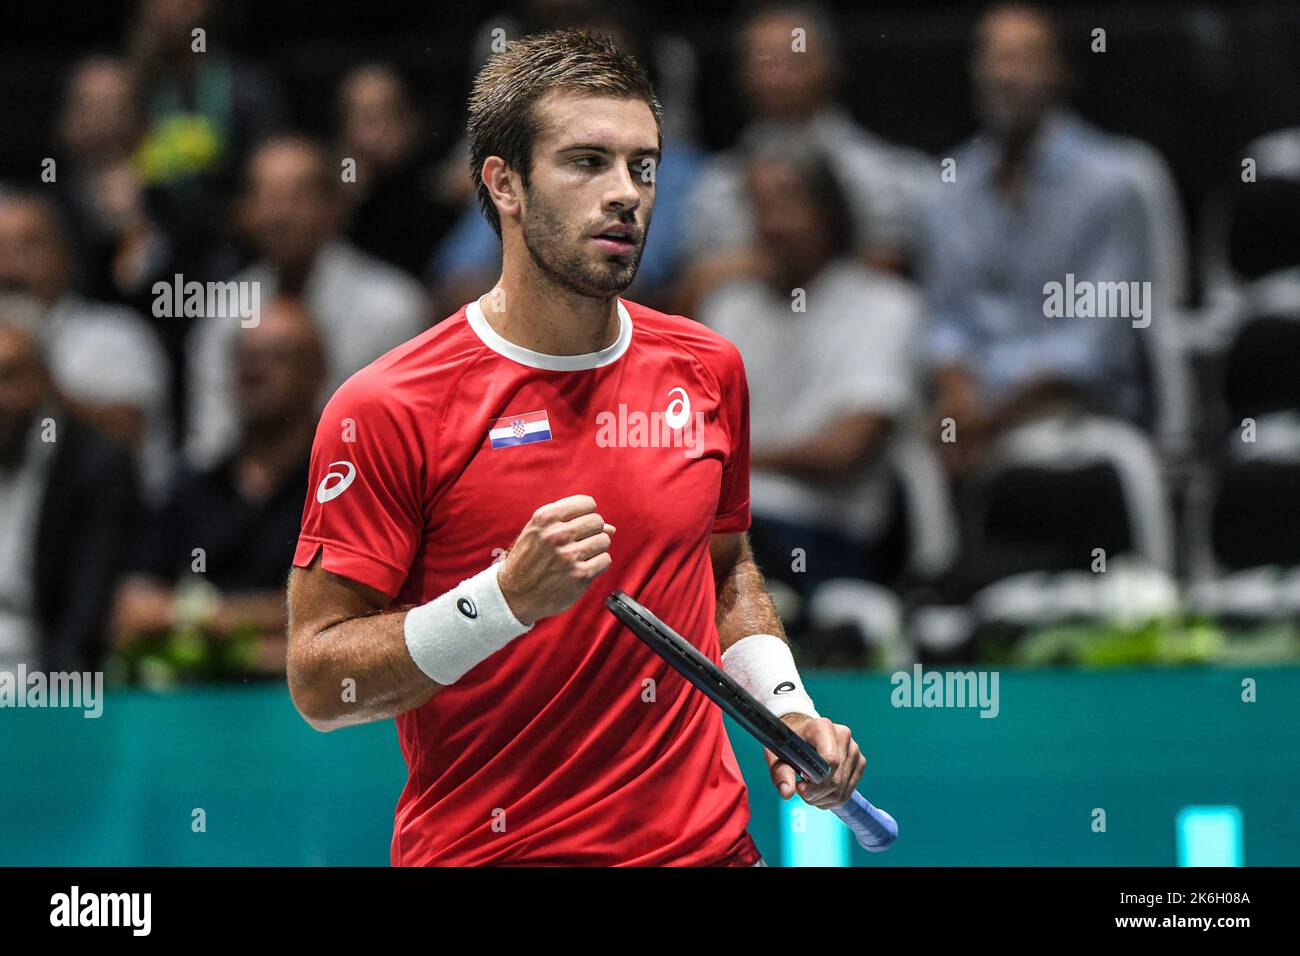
x=419 y=371
x=662 y=330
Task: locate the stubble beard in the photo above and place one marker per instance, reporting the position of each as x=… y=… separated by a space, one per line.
x=566 y=265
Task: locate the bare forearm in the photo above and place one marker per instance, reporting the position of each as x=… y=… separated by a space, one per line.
x=745 y=609
x=744 y=606
x=356 y=671
x=349 y=661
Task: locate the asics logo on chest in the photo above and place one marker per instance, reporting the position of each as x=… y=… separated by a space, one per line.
x=678 y=411
x=674 y=427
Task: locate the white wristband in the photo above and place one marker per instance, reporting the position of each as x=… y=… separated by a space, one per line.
x=461 y=628
x=764 y=666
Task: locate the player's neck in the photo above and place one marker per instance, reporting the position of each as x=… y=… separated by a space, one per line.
x=547 y=319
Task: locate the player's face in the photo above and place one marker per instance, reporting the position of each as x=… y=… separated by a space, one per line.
x=591 y=190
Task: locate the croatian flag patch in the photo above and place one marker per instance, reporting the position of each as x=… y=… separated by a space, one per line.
x=519 y=429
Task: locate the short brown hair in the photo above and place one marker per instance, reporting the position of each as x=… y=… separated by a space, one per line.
x=502 y=117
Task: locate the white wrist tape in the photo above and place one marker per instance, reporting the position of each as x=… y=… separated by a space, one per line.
x=764 y=666
x=461 y=628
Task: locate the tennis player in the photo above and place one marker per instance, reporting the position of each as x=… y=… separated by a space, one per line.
x=477 y=491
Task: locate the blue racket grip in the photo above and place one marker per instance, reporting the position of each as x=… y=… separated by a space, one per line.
x=875 y=829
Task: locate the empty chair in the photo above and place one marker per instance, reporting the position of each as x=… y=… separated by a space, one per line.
x=1264 y=227
x=1245 y=524
x=1260 y=366
x=1252 y=228
x=1063 y=501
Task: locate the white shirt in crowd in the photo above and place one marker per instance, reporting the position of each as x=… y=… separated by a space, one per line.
x=104 y=354
x=851 y=351
x=362 y=307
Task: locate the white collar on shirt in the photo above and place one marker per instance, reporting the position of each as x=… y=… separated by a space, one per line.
x=554 y=363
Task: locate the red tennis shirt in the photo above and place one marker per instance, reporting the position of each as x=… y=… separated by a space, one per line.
x=575 y=744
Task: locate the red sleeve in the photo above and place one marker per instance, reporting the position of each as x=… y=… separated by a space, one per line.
x=364 y=506
x=733 y=501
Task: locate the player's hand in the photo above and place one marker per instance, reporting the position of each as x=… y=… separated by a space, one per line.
x=836 y=745
x=562 y=549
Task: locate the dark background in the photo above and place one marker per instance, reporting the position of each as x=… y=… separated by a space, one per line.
x=1195 y=80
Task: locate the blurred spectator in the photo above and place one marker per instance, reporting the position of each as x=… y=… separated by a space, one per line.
x=291 y=212
x=99 y=127
x=126 y=236
x=828 y=344
x=244 y=513
x=1038 y=196
x=469 y=260
x=67 y=502
x=106 y=362
x=395 y=211
x=205 y=109
x=791 y=97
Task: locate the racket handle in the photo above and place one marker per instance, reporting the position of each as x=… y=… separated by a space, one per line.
x=875 y=829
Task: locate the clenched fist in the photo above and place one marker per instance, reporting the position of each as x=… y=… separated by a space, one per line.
x=562 y=549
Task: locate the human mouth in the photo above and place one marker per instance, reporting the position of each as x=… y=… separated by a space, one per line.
x=616 y=239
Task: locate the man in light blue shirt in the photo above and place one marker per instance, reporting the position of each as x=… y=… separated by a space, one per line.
x=1047 y=255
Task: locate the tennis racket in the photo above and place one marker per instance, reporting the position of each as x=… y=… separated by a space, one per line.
x=875 y=829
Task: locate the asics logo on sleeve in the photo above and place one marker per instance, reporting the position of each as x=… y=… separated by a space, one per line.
x=466 y=607
x=326 y=491
x=678 y=410
x=784 y=687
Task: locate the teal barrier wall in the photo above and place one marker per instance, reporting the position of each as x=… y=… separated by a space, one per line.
x=1019 y=789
